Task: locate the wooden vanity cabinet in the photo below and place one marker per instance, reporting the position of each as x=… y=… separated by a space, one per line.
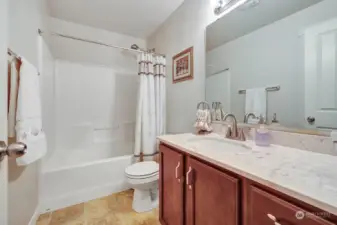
x=194 y=192
x=211 y=196
x=264 y=208
x=171 y=186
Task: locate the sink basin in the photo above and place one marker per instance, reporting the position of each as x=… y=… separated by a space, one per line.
x=218 y=143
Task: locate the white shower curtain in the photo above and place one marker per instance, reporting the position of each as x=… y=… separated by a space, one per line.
x=150 y=121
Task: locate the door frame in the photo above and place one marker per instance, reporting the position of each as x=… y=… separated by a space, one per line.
x=3 y=109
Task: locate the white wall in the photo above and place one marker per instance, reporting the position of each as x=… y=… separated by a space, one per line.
x=183 y=29
x=272 y=55
x=25 y=17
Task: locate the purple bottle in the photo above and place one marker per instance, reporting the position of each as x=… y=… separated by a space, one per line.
x=262 y=136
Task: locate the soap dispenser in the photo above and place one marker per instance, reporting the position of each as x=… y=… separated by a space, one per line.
x=262 y=136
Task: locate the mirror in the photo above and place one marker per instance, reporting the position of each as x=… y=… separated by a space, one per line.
x=278 y=60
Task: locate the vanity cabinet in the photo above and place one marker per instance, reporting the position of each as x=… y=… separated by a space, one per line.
x=195 y=192
x=265 y=208
x=171 y=186
x=211 y=196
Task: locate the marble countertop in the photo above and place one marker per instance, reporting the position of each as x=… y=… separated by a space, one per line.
x=307 y=176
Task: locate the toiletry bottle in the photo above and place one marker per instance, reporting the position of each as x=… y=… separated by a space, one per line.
x=262 y=136
x=275 y=122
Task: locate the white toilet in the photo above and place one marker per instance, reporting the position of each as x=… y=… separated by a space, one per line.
x=143 y=177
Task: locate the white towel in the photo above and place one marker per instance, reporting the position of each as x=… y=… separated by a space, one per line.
x=256 y=102
x=204 y=120
x=28 y=117
x=12 y=99
x=334 y=135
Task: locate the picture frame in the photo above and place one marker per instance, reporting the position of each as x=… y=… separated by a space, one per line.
x=182 y=66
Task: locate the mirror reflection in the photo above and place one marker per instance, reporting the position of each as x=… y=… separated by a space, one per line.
x=275 y=62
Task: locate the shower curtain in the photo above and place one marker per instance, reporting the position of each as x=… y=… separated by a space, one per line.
x=150 y=121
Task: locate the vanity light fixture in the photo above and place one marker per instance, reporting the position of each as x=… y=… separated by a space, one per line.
x=225 y=6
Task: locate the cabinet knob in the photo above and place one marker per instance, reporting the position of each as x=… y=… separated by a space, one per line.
x=273 y=218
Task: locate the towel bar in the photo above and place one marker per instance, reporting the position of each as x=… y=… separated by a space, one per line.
x=276 y=88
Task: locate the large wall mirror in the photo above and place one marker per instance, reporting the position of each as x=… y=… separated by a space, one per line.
x=287 y=48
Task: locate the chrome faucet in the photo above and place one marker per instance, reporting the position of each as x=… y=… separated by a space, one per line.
x=245 y=120
x=233 y=132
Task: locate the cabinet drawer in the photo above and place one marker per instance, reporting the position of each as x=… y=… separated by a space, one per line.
x=264 y=207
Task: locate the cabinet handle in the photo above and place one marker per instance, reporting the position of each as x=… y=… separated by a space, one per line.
x=188 y=177
x=273 y=218
x=177 y=167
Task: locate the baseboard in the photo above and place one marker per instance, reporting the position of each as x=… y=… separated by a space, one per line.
x=80 y=196
x=34 y=217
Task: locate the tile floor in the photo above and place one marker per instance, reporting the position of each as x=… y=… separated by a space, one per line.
x=115 y=209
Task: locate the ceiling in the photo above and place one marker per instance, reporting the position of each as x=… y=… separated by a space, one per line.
x=138 y=18
x=241 y=22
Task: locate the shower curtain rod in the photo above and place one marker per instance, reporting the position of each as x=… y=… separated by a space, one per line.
x=94 y=42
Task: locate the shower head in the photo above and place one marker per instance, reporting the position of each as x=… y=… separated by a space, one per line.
x=134 y=47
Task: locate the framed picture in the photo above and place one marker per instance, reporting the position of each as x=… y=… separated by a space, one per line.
x=182 y=66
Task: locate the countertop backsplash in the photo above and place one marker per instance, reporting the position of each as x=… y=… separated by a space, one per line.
x=313 y=143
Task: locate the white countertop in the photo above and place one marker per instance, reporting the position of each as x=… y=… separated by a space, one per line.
x=307 y=176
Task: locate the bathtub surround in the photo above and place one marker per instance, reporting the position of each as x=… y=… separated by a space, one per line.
x=109 y=123
x=101 y=124
x=110 y=210
x=150 y=118
x=92 y=100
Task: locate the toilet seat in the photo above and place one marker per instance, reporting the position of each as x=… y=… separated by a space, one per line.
x=142 y=170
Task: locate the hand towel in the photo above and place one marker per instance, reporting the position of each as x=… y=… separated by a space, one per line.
x=14 y=84
x=334 y=135
x=256 y=102
x=203 y=121
x=28 y=117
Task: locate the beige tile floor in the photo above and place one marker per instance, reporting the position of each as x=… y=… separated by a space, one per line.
x=115 y=209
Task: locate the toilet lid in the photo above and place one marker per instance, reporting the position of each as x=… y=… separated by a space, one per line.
x=142 y=169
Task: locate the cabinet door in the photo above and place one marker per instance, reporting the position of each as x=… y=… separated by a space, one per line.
x=267 y=209
x=171 y=187
x=211 y=196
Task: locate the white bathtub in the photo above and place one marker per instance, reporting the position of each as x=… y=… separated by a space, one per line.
x=71 y=185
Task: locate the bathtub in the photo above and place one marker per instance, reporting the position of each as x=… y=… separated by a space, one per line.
x=69 y=185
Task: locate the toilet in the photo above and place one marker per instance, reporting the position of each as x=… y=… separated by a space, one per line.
x=143 y=178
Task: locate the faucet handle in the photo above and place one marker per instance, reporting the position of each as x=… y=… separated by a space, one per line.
x=241 y=135
x=229 y=132
x=261 y=119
